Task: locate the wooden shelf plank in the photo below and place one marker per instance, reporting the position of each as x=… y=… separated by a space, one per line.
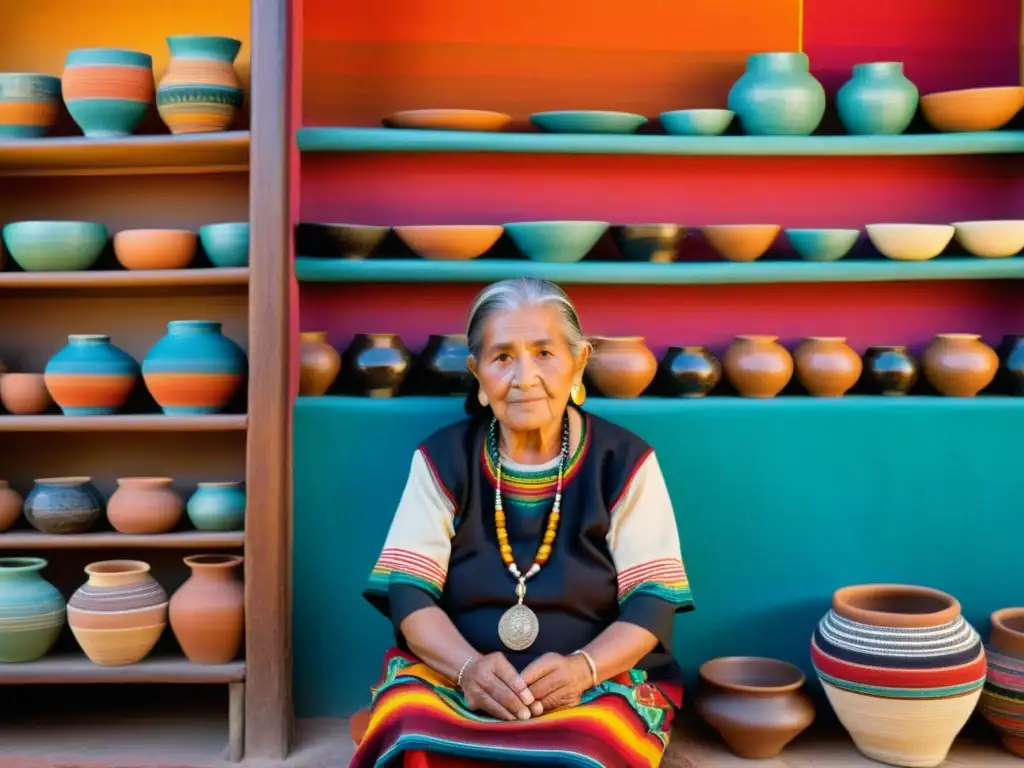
x=124 y=423
x=18 y=540
x=77 y=668
x=331 y=139
x=155 y=278
x=319 y=270
x=226 y=151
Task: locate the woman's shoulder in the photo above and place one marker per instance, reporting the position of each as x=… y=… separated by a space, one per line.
x=607 y=437
x=457 y=437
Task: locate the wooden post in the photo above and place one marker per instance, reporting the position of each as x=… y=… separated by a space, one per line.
x=236 y=722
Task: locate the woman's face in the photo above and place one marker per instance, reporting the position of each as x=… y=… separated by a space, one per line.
x=526 y=368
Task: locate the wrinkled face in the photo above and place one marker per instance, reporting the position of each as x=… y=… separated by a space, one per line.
x=526 y=368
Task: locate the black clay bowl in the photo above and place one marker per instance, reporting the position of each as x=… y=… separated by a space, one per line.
x=649 y=242
x=338 y=241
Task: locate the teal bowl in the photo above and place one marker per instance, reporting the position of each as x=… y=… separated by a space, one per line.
x=696 y=122
x=227 y=244
x=587 y=121
x=556 y=241
x=822 y=244
x=55 y=246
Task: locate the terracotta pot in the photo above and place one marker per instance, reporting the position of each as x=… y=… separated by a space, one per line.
x=118 y=615
x=826 y=365
x=441 y=366
x=1002 y=699
x=319 y=363
x=155 y=248
x=959 y=364
x=207 y=612
x=889 y=370
x=757 y=705
x=902 y=693
x=63 y=505
x=24 y=394
x=621 y=366
x=379 y=363
x=741 y=242
x=694 y=371
x=144 y=505
x=757 y=365
x=10 y=505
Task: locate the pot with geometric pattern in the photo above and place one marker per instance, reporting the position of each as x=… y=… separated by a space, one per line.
x=1002 y=701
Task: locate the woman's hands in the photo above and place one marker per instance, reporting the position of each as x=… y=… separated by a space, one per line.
x=491 y=684
x=558 y=681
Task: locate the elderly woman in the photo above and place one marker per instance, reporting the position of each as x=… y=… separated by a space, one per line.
x=532 y=571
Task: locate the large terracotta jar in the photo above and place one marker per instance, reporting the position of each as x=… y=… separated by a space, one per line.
x=1002 y=700
x=757 y=365
x=91 y=376
x=319 y=363
x=31 y=610
x=207 y=613
x=200 y=91
x=107 y=90
x=145 y=505
x=959 y=364
x=118 y=615
x=10 y=505
x=621 y=366
x=826 y=365
x=757 y=705
x=379 y=363
x=901 y=668
x=63 y=505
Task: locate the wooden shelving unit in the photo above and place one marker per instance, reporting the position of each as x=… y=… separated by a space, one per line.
x=76 y=668
x=124 y=423
x=188 y=540
x=157 y=278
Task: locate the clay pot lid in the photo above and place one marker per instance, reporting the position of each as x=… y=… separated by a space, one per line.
x=895 y=605
x=752 y=674
x=1008 y=630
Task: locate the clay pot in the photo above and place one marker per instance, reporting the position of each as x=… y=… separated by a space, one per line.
x=741 y=242
x=10 y=505
x=621 y=366
x=442 y=365
x=155 y=248
x=200 y=91
x=32 y=611
x=107 y=90
x=757 y=365
x=338 y=241
x=657 y=243
x=24 y=394
x=959 y=364
x=889 y=370
x=207 y=613
x=379 y=363
x=63 y=505
x=693 y=371
x=1011 y=365
x=757 y=705
x=1002 y=699
x=144 y=505
x=826 y=365
x=217 y=506
x=118 y=615
x=319 y=363
x=91 y=376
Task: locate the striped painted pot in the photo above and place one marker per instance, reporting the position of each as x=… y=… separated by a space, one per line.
x=1002 y=701
x=200 y=91
x=107 y=90
x=28 y=104
x=901 y=668
x=90 y=376
x=32 y=611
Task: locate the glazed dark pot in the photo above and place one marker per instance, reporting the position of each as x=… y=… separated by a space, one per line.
x=338 y=241
x=442 y=365
x=1010 y=379
x=62 y=505
x=889 y=370
x=692 y=371
x=658 y=243
x=379 y=363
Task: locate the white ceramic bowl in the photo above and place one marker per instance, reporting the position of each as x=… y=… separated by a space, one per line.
x=910 y=242
x=991 y=239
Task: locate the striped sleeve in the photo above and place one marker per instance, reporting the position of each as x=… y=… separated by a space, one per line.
x=644 y=543
x=411 y=569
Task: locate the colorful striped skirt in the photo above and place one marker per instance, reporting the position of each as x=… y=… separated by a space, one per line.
x=419 y=718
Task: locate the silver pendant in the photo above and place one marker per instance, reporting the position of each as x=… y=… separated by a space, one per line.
x=518 y=627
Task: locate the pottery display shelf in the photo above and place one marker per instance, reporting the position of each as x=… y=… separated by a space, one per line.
x=34 y=540
x=77 y=668
x=192 y=278
x=147 y=422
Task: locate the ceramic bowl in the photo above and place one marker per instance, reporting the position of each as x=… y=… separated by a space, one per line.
x=992 y=239
x=658 y=243
x=910 y=242
x=741 y=242
x=155 y=248
x=451 y=242
x=697 y=122
x=338 y=241
x=24 y=394
x=972 y=109
x=29 y=104
x=49 y=246
x=557 y=241
x=226 y=244
x=822 y=244
x=587 y=121
x=448 y=119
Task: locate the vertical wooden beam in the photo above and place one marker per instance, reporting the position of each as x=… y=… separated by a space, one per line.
x=268 y=530
x=236 y=722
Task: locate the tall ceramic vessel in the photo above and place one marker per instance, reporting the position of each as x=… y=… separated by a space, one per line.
x=194 y=369
x=902 y=669
x=90 y=376
x=107 y=90
x=1002 y=700
x=878 y=99
x=778 y=96
x=621 y=366
x=200 y=91
x=32 y=611
x=757 y=365
x=207 y=613
x=959 y=364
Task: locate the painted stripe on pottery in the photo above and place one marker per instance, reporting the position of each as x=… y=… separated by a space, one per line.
x=114 y=56
x=122 y=599
x=177 y=390
x=28 y=113
x=942 y=692
x=74 y=390
x=128 y=83
x=200 y=72
x=898 y=678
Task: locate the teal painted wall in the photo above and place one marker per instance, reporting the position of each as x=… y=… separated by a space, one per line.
x=779 y=502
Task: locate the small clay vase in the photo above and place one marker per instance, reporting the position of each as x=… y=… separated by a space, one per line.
x=757 y=705
x=693 y=371
x=319 y=363
x=442 y=365
x=145 y=505
x=889 y=370
x=63 y=505
x=32 y=611
x=621 y=366
x=1011 y=365
x=380 y=363
x=1002 y=699
x=757 y=365
x=24 y=394
x=207 y=613
x=10 y=505
x=217 y=506
x=826 y=365
x=959 y=364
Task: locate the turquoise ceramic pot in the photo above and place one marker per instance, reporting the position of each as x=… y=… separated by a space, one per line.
x=559 y=241
x=697 y=122
x=32 y=611
x=200 y=91
x=90 y=376
x=107 y=90
x=217 y=507
x=29 y=104
x=878 y=99
x=587 y=121
x=49 y=246
x=778 y=96
x=822 y=244
x=226 y=245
